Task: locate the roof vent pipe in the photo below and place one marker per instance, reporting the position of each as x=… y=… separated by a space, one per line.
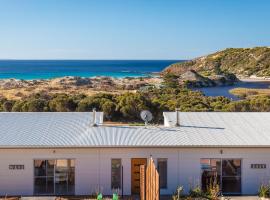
x=177 y=117
x=94 y=124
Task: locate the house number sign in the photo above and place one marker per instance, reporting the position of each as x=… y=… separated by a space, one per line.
x=16 y=167
x=258 y=166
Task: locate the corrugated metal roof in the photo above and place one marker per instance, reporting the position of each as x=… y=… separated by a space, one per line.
x=205 y=129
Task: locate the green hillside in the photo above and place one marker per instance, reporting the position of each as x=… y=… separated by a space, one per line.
x=243 y=62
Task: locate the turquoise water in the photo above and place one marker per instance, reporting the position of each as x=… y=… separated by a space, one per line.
x=47 y=69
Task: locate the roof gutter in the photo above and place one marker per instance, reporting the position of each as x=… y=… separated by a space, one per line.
x=136 y=147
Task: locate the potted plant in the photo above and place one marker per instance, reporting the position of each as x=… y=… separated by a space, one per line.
x=115 y=196
x=99 y=196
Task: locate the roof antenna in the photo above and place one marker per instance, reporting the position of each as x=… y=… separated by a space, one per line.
x=94 y=124
x=146 y=116
x=177 y=117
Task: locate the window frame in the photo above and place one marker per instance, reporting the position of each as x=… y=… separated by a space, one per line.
x=54 y=176
x=162 y=160
x=45 y=177
x=120 y=177
x=221 y=173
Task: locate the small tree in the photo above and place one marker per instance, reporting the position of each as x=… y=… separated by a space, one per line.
x=35 y=105
x=7 y=106
x=170 y=81
x=62 y=103
x=130 y=105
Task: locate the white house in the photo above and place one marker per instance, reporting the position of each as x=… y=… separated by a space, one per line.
x=65 y=153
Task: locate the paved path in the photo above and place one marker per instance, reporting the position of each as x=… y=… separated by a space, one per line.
x=242 y=198
x=38 y=198
x=162 y=198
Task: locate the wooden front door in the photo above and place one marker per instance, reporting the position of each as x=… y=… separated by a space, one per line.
x=135 y=174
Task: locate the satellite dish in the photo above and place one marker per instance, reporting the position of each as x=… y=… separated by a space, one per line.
x=146 y=116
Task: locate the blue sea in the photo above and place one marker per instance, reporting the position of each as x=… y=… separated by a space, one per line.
x=48 y=69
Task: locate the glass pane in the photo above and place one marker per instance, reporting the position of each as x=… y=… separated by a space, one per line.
x=71 y=182
x=50 y=168
x=65 y=177
x=116 y=173
x=72 y=163
x=40 y=186
x=205 y=163
x=211 y=169
x=162 y=170
x=62 y=164
x=50 y=185
x=216 y=165
x=61 y=180
x=62 y=170
x=61 y=176
x=231 y=167
x=211 y=164
x=231 y=185
x=40 y=167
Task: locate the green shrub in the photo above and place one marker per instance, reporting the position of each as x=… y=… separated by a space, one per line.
x=264 y=190
x=213 y=190
x=195 y=191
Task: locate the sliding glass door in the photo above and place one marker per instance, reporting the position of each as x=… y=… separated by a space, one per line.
x=44 y=176
x=64 y=177
x=211 y=172
x=231 y=176
x=225 y=172
x=54 y=177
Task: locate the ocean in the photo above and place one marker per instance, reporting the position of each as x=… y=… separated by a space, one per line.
x=48 y=69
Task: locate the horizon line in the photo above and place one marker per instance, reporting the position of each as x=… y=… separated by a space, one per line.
x=78 y=59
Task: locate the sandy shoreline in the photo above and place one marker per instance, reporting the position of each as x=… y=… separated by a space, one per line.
x=258 y=79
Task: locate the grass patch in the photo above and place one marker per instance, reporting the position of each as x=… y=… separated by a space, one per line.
x=247 y=92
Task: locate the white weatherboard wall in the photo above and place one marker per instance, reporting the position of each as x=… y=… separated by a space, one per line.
x=93 y=167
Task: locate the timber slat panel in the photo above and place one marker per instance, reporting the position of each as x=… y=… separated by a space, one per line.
x=142 y=182
x=152 y=182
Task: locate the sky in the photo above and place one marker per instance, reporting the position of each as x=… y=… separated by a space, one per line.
x=129 y=29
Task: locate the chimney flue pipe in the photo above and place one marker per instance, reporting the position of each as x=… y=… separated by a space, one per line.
x=94 y=118
x=177 y=117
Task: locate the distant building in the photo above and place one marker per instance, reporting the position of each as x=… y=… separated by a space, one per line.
x=76 y=154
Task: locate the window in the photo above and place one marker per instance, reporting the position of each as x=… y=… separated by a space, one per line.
x=226 y=172
x=64 y=177
x=116 y=169
x=211 y=169
x=231 y=176
x=162 y=170
x=44 y=176
x=54 y=176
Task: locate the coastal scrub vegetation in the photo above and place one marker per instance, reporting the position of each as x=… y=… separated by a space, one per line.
x=126 y=107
